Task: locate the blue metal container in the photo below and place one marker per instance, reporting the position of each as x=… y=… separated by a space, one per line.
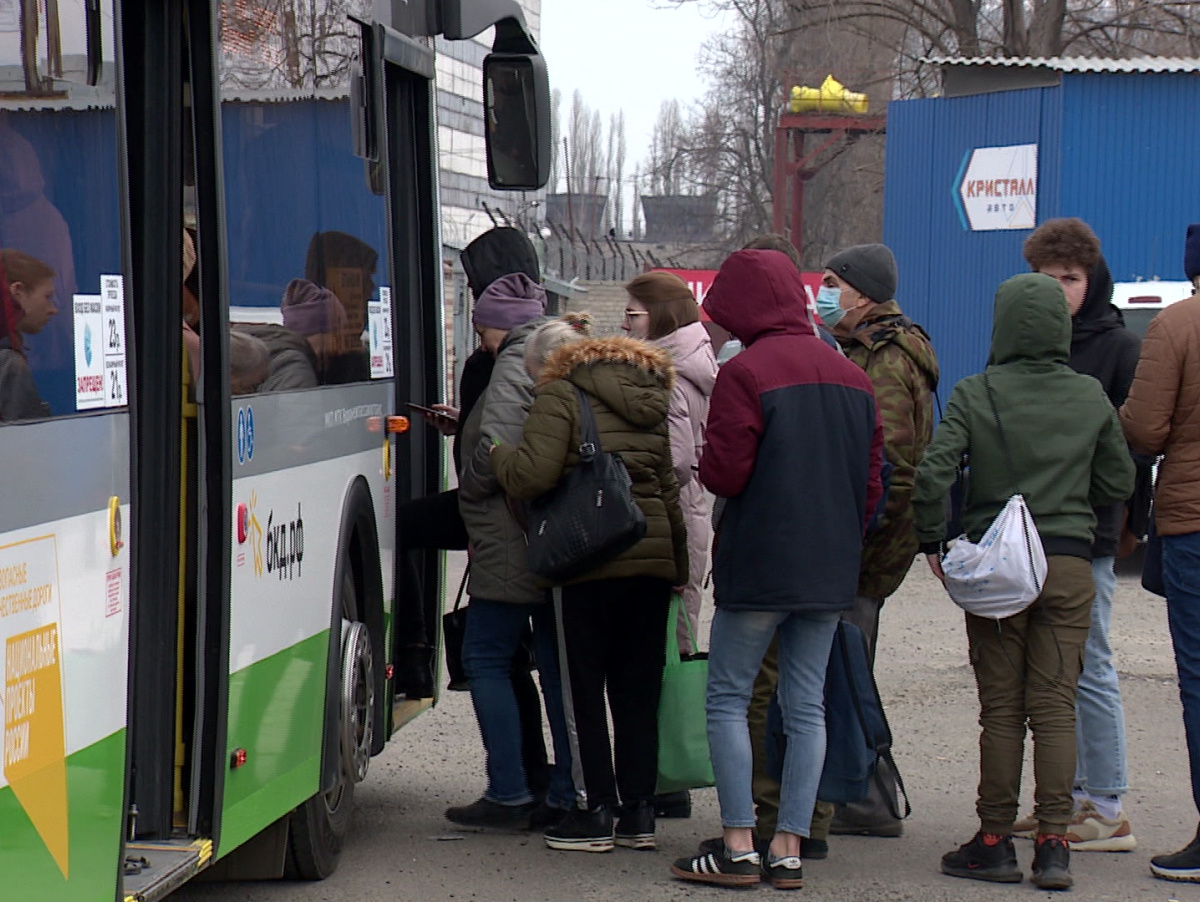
x=1115 y=143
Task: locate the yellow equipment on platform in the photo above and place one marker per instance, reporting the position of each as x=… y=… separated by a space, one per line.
x=831 y=97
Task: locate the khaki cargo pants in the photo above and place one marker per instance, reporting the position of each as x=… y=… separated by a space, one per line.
x=1026 y=669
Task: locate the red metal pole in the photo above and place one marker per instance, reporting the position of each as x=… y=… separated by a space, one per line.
x=782 y=165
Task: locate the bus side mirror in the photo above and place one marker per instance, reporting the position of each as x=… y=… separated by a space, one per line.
x=516 y=94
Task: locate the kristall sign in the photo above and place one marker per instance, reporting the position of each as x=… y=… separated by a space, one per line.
x=998 y=188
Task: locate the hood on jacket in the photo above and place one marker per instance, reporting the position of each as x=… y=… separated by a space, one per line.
x=1097 y=314
x=498 y=252
x=886 y=324
x=1030 y=321
x=692 y=352
x=633 y=378
x=757 y=293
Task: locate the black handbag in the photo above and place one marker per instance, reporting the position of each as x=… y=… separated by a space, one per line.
x=590 y=517
x=454 y=628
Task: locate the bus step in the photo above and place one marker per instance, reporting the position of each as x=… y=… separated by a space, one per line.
x=153 y=870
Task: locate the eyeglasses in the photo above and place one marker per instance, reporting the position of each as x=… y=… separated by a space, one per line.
x=630 y=314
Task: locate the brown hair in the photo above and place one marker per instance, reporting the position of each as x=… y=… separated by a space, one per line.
x=773 y=241
x=668 y=300
x=1062 y=242
x=20 y=267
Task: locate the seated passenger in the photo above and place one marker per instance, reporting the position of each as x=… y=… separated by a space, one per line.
x=317 y=316
x=293 y=361
x=28 y=304
x=249 y=363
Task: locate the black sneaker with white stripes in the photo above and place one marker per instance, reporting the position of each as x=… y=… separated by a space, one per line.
x=721 y=868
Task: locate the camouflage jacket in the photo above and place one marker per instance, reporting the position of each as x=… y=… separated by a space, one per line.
x=898 y=357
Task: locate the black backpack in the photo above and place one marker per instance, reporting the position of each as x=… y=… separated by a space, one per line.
x=859 y=745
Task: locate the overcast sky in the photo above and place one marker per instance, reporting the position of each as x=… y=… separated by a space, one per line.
x=626 y=54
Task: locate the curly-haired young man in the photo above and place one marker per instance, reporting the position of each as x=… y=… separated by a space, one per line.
x=1069 y=251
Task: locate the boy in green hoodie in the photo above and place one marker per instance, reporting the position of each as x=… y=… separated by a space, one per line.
x=1068 y=456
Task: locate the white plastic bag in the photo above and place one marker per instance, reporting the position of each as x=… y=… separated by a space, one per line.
x=1002 y=574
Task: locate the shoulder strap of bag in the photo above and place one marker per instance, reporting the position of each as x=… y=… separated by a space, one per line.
x=462 y=586
x=589 y=435
x=1008 y=461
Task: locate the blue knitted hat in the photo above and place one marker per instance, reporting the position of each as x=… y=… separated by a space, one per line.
x=1191 y=252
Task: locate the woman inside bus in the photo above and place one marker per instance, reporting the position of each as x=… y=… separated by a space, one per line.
x=27 y=305
x=614 y=618
x=346 y=266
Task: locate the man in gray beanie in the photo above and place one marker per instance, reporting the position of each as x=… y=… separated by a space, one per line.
x=857 y=302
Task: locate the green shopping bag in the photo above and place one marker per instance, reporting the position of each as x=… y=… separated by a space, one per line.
x=683 y=759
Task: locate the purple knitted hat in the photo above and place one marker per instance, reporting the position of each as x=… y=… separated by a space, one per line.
x=510 y=301
x=309 y=309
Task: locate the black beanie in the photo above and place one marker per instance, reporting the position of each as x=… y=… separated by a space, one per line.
x=499 y=252
x=869 y=268
x=1191 y=252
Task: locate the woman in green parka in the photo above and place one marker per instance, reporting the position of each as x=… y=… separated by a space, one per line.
x=613 y=618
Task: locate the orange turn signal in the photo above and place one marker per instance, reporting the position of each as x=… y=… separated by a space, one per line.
x=397 y=424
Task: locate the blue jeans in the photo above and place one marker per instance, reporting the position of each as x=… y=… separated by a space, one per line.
x=1100 y=767
x=1181 y=576
x=736 y=648
x=493 y=634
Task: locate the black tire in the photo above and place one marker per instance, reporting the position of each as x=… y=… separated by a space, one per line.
x=318 y=828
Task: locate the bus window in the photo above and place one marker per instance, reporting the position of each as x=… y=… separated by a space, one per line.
x=62 y=320
x=307 y=246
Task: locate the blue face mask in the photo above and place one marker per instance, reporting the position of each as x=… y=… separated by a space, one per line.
x=829 y=306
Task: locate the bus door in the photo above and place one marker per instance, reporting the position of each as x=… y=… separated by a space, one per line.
x=64 y=442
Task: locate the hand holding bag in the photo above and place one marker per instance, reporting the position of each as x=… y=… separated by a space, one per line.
x=683 y=758
x=590 y=517
x=1002 y=574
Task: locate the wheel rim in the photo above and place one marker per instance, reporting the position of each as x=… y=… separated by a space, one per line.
x=358 y=700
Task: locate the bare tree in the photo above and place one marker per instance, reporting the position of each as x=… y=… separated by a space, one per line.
x=1008 y=28
x=617 y=149
x=289 y=44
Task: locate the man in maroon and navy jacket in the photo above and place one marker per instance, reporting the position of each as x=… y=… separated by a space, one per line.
x=794 y=444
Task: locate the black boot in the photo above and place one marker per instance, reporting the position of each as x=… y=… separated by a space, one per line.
x=414 y=671
x=1182 y=866
x=673 y=804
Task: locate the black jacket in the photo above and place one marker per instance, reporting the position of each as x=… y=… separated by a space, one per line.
x=1102 y=347
x=476 y=373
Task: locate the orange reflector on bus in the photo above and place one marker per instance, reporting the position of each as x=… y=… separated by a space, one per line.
x=237 y=759
x=396 y=425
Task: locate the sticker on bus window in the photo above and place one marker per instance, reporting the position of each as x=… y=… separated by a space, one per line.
x=116 y=389
x=379 y=322
x=88 y=313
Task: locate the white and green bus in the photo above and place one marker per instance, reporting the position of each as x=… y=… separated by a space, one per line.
x=200 y=434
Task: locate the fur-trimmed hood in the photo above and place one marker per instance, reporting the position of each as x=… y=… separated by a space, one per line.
x=631 y=377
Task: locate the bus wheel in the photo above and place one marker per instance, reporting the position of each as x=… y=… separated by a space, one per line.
x=319 y=826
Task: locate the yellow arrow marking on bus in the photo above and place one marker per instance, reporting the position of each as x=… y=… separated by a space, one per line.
x=34 y=744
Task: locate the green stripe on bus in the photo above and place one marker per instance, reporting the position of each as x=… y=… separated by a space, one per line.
x=94 y=797
x=276 y=712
